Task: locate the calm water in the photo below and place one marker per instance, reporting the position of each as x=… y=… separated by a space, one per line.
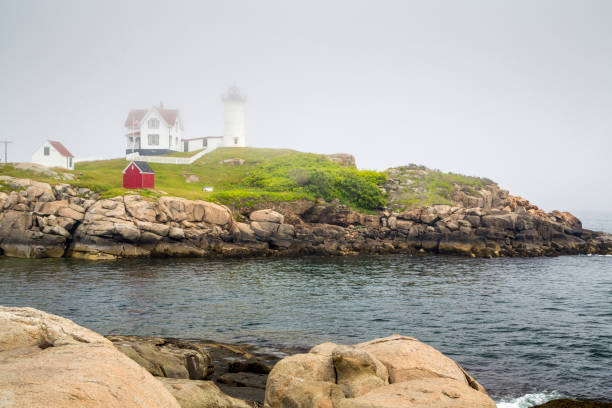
x=518 y=325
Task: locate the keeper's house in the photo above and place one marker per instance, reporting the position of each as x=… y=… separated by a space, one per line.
x=154 y=131
x=138 y=174
x=53 y=154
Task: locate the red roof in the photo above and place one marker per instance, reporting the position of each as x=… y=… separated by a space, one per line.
x=61 y=149
x=136 y=115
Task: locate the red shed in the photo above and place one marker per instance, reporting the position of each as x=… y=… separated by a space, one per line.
x=138 y=174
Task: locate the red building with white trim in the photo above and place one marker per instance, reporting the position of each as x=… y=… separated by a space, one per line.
x=138 y=174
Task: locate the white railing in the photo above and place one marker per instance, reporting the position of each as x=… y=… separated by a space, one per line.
x=167 y=159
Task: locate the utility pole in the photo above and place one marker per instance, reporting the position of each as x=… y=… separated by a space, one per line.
x=6 y=142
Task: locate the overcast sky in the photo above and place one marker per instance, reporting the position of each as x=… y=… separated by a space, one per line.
x=517 y=91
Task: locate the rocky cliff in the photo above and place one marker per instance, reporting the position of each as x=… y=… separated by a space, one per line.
x=39 y=220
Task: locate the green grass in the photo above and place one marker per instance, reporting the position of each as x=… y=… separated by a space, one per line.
x=430 y=187
x=267 y=175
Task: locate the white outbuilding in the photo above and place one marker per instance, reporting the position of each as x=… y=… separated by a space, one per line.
x=53 y=154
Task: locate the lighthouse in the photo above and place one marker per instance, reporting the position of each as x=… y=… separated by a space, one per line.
x=234 y=118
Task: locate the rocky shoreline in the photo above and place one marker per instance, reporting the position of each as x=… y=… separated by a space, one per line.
x=47 y=360
x=38 y=220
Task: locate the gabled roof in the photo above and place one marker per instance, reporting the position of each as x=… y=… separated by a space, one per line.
x=142 y=166
x=136 y=115
x=61 y=149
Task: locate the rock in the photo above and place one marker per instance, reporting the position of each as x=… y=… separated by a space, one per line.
x=36 y=168
x=176 y=233
x=357 y=371
x=127 y=232
x=267 y=216
x=232 y=162
x=407 y=358
x=395 y=371
x=423 y=393
x=243 y=379
x=502 y=221
x=191 y=178
x=49 y=361
x=246 y=233
x=166 y=358
x=263 y=229
x=216 y=214
x=343 y=159
x=200 y=394
x=140 y=208
x=72 y=212
x=302 y=380
x=251 y=365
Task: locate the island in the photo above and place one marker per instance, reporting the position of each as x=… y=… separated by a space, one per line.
x=247 y=202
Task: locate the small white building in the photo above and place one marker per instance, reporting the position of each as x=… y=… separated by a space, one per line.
x=53 y=154
x=199 y=143
x=154 y=131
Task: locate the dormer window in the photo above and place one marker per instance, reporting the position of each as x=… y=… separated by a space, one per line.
x=153 y=123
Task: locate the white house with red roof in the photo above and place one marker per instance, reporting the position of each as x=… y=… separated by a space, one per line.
x=53 y=154
x=154 y=131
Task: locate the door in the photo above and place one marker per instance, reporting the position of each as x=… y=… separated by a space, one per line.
x=137 y=143
x=185 y=146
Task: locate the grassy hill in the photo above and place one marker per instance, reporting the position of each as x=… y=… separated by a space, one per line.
x=274 y=175
x=267 y=174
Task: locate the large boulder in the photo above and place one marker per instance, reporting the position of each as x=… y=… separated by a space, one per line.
x=166 y=358
x=395 y=371
x=200 y=394
x=302 y=380
x=406 y=358
x=267 y=216
x=423 y=393
x=49 y=361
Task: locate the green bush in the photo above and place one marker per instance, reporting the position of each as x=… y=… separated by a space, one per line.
x=319 y=177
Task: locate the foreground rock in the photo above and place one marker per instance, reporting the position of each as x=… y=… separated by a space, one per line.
x=201 y=394
x=39 y=221
x=49 y=361
x=167 y=357
x=396 y=371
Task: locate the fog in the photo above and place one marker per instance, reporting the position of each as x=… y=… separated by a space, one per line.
x=516 y=91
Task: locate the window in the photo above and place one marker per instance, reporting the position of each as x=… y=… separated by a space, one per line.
x=176 y=140
x=153 y=123
x=153 y=140
x=70 y=162
x=235 y=140
x=169 y=141
x=46 y=151
x=204 y=142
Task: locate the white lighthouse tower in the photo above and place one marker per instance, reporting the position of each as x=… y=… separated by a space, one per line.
x=234 y=118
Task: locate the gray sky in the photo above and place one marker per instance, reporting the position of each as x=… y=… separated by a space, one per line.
x=517 y=91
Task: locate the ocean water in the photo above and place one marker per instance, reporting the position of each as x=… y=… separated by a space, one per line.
x=596 y=220
x=528 y=329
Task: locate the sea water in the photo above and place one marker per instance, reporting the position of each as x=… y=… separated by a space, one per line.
x=528 y=329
